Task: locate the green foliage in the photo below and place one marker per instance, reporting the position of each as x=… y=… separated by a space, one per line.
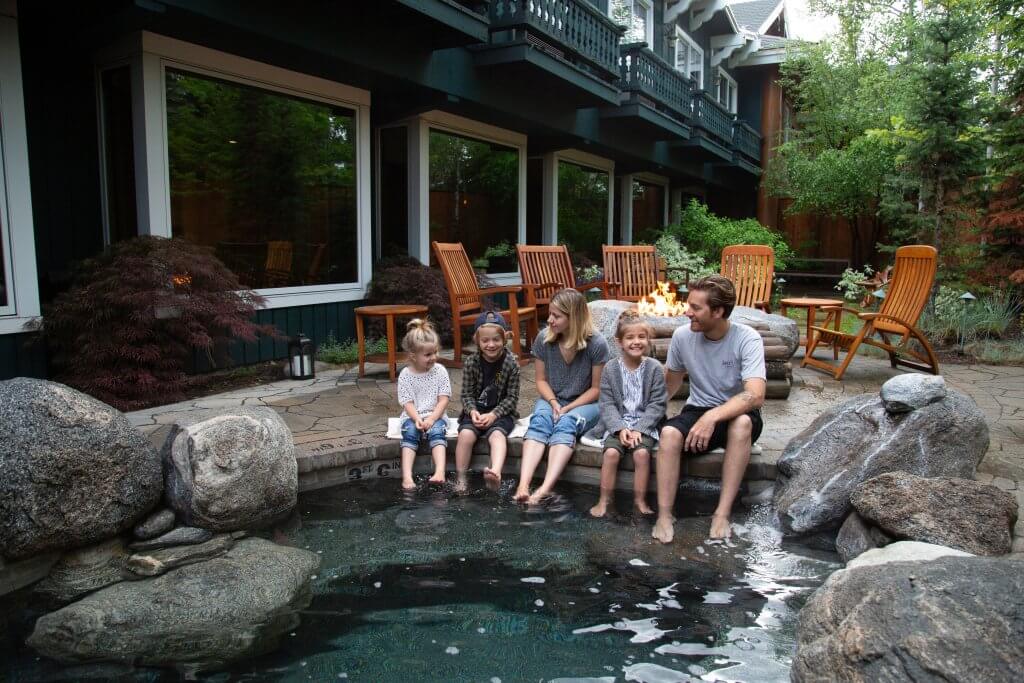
x=682 y=265
x=704 y=234
x=500 y=249
x=998 y=351
x=338 y=352
x=136 y=315
x=582 y=209
x=951 y=319
x=849 y=283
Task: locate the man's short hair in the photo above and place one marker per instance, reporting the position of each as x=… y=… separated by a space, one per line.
x=720 y=290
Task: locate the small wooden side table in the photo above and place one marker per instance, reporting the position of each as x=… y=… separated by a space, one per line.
x=389 y=312
x=812 y=305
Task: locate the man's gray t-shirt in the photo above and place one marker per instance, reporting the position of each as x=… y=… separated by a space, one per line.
x=569 y=381
x=717 y=369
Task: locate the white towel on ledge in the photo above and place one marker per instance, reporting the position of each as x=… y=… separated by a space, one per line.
x=395 y=428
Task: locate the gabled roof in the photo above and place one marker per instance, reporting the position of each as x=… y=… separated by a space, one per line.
x=755 y=15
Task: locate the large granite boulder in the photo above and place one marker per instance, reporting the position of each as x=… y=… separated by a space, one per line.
x=959 y=513
x=73 y=470
x=951 y=619
x=854 y=538
x=904 y=551
x=202 y=616
x=83 y=571
x=228 y=470
x=859 y=439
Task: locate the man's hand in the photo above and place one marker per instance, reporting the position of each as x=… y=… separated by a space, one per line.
x=486 y=420
x=699 y=435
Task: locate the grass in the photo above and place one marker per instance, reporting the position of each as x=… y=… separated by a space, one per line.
x=997 y=351
x=347 y=351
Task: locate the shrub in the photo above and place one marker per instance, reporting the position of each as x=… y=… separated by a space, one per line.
x=950 y=319
x=404 y=280
x=682 y=264
x=849 y=283
x=334 y=351
x=706 y=234
x=129 y=325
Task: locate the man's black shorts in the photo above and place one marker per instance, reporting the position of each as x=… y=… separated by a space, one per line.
x=504 y=424
x=689 y=416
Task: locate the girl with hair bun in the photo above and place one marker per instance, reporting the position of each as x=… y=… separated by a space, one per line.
x=423 y=391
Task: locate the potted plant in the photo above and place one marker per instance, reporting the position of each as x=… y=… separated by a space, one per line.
x=500 y=258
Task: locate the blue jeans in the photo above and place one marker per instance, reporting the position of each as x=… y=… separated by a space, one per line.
x=435 y=435
x=563 y=432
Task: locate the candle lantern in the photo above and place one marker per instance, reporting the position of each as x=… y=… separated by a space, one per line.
x=301 y=354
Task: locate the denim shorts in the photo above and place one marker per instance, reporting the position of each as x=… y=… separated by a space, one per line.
x=566 y=429
x=411 y=436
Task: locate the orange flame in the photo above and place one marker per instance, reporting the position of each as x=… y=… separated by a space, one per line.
x=181 y=280
x=661 y=303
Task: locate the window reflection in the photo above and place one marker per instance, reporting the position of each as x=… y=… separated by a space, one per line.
x=582 y=209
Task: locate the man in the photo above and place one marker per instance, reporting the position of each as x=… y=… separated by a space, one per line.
x=725 y=363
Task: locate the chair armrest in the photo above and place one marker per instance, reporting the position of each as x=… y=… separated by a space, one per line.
x=835 y=309
x=542 y=285
x=886 y=316
x=508 y=289
x=532 y=289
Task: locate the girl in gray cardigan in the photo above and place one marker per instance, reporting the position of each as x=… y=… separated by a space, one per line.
x=632 y=404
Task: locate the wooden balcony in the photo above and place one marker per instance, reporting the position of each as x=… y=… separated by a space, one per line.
x=746 y=143
x=656 y=98
x=555 y=43
x=711 y=138
x=449 y=23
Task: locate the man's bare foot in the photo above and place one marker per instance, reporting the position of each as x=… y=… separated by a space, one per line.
x=641 y=506
x=522 y=494
x=664 y=530
x=408 y=485
x=437 y=478
x=720 y=527
x=600 y=509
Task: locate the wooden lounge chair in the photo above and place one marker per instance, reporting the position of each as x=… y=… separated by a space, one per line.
x=751 y=268
x=909 y=288
x=635 y=269
x=278 y=269
x=549 y=269
x=466 y=298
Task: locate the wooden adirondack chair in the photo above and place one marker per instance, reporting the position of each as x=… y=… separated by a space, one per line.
x=465 y=297
x=751 y=268
x=549 y=269
x=635 y=269
x=909 y=287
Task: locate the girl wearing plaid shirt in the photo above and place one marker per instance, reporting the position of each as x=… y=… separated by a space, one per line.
x=490 y=392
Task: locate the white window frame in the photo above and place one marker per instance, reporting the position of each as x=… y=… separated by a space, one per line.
x=684 y=41
x=16 y=231
x=732 y=93
x=419 y=176
x=591 y=162
x=150 y=55
x=626 y=200
x=648 y=6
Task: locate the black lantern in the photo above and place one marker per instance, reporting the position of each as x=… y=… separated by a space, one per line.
x=301 y=353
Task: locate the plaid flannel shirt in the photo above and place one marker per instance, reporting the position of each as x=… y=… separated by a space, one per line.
x=507 y=380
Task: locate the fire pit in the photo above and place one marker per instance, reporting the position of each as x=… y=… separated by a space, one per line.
x=665 y=313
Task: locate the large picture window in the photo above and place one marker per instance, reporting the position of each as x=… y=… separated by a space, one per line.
x=474 y=197
x=582 y=209
x=637 y=17
x=727 y=90
x=266 y=179
x=648 y=207
x=689 y=58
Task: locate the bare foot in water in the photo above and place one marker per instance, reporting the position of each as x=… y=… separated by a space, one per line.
x=599 y=510
x=460 y=483
x=641 y=506
x=492 y=478
x=720 y=527
x=522 y=494
x=408 y=485
x=537 y=497
x=664 y=530
x=437 y=478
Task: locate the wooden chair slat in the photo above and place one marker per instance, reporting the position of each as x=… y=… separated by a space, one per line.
x=751 y=268
x=635 y=267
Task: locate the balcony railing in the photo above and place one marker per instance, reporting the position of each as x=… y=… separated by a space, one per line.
x=712 y=117
x=574 y=27
x=648 y=75
x=746 y=140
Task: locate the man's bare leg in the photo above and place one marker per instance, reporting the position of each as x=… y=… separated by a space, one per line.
x=533 y=451
x=737 y=455
x=463 y=455
x=669 y=451
x=499 y=447
x=559 y=456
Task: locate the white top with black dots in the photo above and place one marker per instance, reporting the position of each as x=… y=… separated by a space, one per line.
x=423 y=388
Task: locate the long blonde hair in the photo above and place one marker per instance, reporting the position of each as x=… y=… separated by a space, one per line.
x=573 y=306
x=419 y=333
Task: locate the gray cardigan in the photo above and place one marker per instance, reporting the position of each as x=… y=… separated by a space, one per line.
x=655 y=399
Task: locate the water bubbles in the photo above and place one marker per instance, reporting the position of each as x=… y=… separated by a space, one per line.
x=594 y=590
x=377 y=584
x=481 y=630
x=451 y=650
x=538 y=602
x=638 y=563
x=532 y=579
